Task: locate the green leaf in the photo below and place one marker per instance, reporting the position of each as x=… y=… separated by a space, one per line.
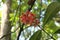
x=58 y=0
x=36 y=35
x=51 y=27
x=58 y=31
x=3 y=0
x=51 y=12
x=14 y=4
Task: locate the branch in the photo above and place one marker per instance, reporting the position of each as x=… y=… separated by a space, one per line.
x=9 y=33
x=21 y=28
x=12 y=32
x=32 y=5
x=46 y=32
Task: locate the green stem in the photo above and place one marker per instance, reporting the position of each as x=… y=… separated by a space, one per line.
x=47 y=33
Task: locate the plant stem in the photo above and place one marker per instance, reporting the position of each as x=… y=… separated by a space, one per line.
x=21 y=29
x=47 y=33
x=32 y=5
x=9 y=33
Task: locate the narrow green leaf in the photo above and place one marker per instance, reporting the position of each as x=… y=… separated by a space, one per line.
x=36 y=35
x=51 y=12
x=51 y=27
x=58 y=31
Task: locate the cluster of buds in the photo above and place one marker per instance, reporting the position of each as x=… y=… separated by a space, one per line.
x=29 y=18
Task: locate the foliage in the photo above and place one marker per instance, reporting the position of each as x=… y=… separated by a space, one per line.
x=48 y=25
x=51 y=11
x=36 y=35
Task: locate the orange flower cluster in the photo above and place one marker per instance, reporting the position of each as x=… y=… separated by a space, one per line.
x=29 y=18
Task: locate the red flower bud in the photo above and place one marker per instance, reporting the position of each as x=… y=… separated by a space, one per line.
x=29 y=18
